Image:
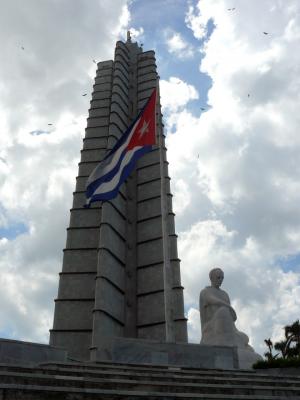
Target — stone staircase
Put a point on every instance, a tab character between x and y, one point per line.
82	381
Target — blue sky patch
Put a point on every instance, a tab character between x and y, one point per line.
13	230
289	263
160	19
39	132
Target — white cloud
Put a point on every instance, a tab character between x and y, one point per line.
196	21
137	34
43	84
178	46
194	325
182	196
253	284
235	170
239	164
176	93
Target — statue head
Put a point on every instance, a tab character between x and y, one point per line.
216	276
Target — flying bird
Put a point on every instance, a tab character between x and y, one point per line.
248	95
22	48
50	124
265	33
231	9
84	94
202	108
94	61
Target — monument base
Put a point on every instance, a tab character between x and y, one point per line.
30	354
247	358
132	351
139	351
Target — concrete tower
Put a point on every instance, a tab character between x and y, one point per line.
121	272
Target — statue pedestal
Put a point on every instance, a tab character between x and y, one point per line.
247	358
139	351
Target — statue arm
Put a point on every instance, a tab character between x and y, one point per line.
209	298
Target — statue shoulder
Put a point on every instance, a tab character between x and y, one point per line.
204	292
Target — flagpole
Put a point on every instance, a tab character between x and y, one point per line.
167	272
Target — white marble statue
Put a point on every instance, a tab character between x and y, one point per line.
218	321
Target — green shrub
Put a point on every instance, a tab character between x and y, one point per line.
278	363
289	349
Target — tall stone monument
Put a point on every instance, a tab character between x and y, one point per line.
121	274
120	297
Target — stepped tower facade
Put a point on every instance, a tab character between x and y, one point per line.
121	273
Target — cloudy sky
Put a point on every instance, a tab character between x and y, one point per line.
230	86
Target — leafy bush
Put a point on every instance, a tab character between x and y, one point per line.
278	363
289	349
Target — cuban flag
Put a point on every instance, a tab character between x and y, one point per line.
106	179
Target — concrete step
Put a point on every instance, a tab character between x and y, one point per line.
167	370
43	379
119	381
256	380
180	379
35	392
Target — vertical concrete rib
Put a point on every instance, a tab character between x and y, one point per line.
72	326
109	311
152	319
130	327
151	315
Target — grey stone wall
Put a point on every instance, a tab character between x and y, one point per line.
73	316
112	282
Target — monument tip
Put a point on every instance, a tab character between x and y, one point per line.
128	37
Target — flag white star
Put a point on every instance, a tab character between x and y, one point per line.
144	129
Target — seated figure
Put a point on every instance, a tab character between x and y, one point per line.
218	321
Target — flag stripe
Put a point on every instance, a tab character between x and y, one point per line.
123	173
107	186
109	165
106	179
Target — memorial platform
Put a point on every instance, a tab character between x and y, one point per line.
27	353
139	351
116	381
